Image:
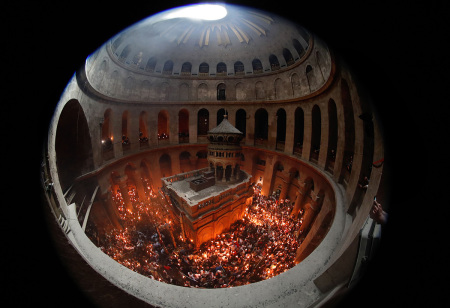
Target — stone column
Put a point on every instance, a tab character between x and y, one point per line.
117	135
272	132
290	128
250	130
193	122
307	133
286	187
122	181
153	128
324	136
268	174
297	204
139	185
133	131
173	128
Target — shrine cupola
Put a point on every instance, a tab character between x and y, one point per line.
224	151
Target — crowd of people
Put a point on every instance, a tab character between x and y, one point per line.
259	246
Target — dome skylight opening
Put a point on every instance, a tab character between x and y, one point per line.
199	11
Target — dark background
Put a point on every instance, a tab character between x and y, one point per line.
397	49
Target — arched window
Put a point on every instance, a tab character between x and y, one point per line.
221	69
281	129
304	34
202	122
311	77
151	64
259	90
274	64
239	68
287	55
221	92
315	133
117	43
241	121
299	127
298	47
257	66
125	52
220	113
168	68
203	69
202	92
295	83
183	126
186	68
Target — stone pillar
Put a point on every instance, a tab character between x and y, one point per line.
112	211
193	121
250	130
286	187
139	185
324	136
290	128
117	136
122	181
133	131
173	128
272	132
306	151
301	194
297	204
153	128
268	174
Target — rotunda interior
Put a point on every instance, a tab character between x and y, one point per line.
230	150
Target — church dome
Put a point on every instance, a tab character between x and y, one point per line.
173	50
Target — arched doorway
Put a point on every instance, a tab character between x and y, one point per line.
185	162
261	127
165	165
202	122
73	145
241	121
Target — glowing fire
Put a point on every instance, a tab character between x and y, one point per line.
261	245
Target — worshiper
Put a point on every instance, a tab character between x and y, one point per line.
377	213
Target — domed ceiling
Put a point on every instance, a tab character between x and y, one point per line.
209	39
